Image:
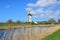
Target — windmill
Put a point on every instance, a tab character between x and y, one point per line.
29	15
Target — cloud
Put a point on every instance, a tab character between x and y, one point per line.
31	4
33	12
39	10
42	15
57	13
45	8
28	9
43	3
51	16
48	11
7	6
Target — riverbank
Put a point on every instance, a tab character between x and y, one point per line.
22	33
23	26
29	33
54	36
49	31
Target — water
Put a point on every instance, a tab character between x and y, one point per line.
22	33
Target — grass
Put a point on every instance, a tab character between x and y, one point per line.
54	36
9	26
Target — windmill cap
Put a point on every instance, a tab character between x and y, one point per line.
30	14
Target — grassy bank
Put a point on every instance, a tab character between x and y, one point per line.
54	36
22	26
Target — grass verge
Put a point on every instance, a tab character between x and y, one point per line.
54	36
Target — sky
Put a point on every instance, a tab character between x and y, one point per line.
41	10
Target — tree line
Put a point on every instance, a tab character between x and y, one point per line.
51	21
10	22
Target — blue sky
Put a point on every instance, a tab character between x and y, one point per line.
18	10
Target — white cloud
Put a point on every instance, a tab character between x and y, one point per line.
39	10
33	12
28	9
46	13
43	3
31	4
35	16
52	16
42	15
57	13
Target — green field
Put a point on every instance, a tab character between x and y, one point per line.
54	36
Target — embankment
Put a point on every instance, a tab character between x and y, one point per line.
49	31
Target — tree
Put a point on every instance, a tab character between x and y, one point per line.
18	22
51	21
10	22
58	20
1	24
33	23
44	22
